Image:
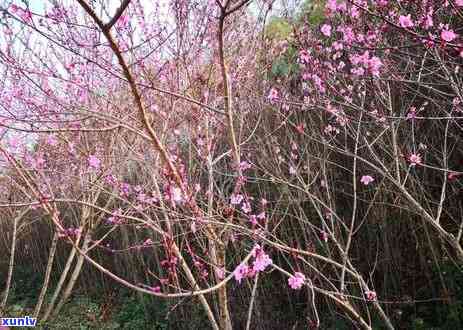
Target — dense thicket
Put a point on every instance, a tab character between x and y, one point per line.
233	165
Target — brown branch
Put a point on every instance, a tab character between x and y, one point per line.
226	91
117	15
137	97
237	6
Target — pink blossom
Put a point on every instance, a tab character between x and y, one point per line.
251	272
338	45
304	57
246	207
300	128
367	179
324	236
25	14
125	188
236	199
94	162
51	140
330	129
459	3
406	21
115	218
354	12
415	159
296	281
358	71
14	9
374	64
448	35
370	295
148	242
332	5
110	179
428	22
13	142
141	197
244	166
253	219
241	272
273	95
156	289
348	34
261	259
176	194
412	113
38	161
262	262
292	170
326	30
123	21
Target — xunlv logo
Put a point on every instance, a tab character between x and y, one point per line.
25	321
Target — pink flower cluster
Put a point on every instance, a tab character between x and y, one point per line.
447	34
336	6
326	30
260	263
238	199
296	281
69	232
406	21
94	162
115	219
370	295
24	14
415	159
367	179
366	62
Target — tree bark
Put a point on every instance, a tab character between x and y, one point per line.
46	281
62	278
11	263
75	275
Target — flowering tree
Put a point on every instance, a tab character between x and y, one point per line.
181	140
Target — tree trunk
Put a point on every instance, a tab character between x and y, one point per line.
225	320
62	278
11	263
51	258
74	276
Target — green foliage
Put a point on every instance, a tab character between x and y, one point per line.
191	315
79	313
26	286
286	65
142	313
278	29
313	12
